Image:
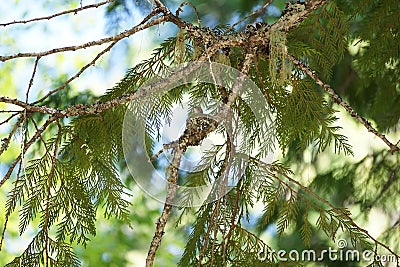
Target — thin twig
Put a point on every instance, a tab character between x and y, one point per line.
155	11
337	99
213	222
114	38
393	178
215	225
5	142
248	61
255	12
23	142
179	10
215	214
26	146
10	111
31	80
232	225
75	11
61	87
25	117
46	146
8	213
10	118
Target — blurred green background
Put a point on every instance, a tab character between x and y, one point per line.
357	182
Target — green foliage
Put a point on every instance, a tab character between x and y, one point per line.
374	59
138	75
306	117
66	192
93	148
78	171
321	39
371	182
61	253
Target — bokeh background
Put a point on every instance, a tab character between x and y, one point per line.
373	93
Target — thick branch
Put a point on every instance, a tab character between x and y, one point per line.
27	106
215	45
97	108
32	77
162	221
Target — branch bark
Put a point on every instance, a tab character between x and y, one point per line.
162	221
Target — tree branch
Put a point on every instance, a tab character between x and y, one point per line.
337	99
208	36
248	41
31	80
61	87
174	168
99	107
26	146
48	194
255	12
75	11
114	38
162	221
